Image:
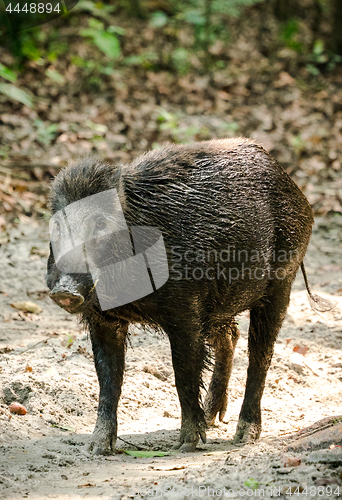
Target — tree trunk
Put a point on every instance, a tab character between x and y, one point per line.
336	38
285	10
135	8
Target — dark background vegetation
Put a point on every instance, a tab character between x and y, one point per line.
118	78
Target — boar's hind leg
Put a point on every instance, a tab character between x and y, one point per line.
108	342
188	353
265	322
224	341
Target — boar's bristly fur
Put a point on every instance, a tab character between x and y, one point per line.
205	198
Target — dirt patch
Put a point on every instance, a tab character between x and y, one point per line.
46	365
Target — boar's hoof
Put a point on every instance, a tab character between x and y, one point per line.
212	408
185	447
247	432
102	444
189	437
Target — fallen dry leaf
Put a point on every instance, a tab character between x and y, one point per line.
300	349
284	80
292	462
27	306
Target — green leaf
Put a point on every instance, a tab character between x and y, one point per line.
89	32
290	29
95	24
251	483
108	44
233	7
181	60
194	17
158	20
7	73
147	453
99	128
116	29
17	94
55	76
64	427
99	9
318	47
310	68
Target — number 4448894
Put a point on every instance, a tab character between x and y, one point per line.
314	491
32	8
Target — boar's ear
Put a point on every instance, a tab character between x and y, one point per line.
121	186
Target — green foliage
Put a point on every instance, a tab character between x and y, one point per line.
289	33
181	59
147	453
105	40
28	45
251	483
46	133
98	9
70	340
208	17
16	94
55	76
233	7
7	73
98	129
56	47
184	132
196	11
147	60
193	16
298	144
317	58
321	57
158	20
4	152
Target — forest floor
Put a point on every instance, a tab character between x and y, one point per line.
46	364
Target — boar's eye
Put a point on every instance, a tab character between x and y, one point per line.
57	226
100	223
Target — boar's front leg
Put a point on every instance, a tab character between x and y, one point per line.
188	354
109	343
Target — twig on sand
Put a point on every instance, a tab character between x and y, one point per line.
34	345
140	448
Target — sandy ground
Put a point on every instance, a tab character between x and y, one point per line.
46	364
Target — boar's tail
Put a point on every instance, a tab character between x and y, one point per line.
316	302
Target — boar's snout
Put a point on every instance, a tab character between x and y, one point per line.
67	300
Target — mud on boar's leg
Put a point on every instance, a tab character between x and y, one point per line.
224	341
109	346
266	319
188	354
